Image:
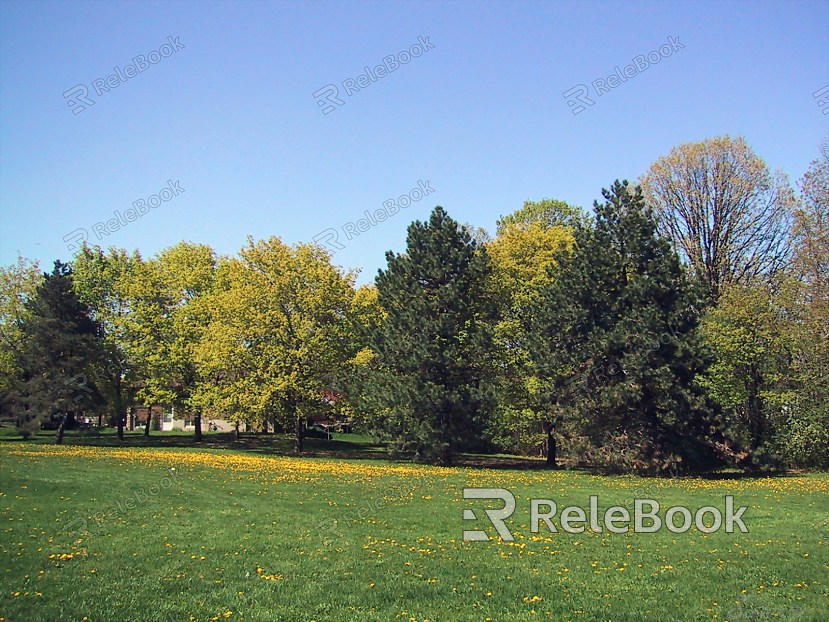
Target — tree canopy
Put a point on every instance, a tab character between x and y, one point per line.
727	214
683	325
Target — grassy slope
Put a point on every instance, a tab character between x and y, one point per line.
246	535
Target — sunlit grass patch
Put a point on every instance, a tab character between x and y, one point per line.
191	534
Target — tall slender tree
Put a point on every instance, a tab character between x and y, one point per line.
524	258
59	343
18	283
434	342
101	279
750	338
807	430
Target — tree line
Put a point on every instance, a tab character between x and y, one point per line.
682	325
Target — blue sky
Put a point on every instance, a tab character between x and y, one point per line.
481	115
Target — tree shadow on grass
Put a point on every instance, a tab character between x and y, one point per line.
272	444
341	447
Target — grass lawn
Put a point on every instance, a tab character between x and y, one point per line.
158	530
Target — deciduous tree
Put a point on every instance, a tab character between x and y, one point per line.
167	320
524	259
279	328
726	213
18	282
102	280
749	333
547	212
807	429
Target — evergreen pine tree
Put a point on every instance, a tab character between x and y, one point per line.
60	340
433	345
616	337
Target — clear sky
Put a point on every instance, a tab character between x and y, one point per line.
479	116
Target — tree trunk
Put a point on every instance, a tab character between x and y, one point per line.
300	434
100	420
550	444
552	448
236	433
756	416
197	423
149	421
122	411
61	428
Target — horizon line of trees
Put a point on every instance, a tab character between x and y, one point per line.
682	326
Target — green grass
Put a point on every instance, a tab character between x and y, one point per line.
252	533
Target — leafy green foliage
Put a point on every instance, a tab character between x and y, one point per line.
167	320
278	328
18	283
546	212
524	259
747	331
806	438
102	281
